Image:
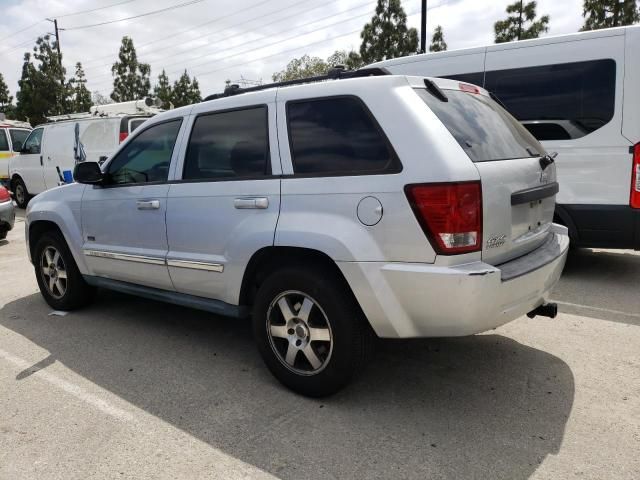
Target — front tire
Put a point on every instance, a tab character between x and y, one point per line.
20	193
310	330
59	279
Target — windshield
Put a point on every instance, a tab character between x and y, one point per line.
485	130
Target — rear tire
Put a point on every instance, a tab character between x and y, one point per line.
20	193
310	331
3	233
59	279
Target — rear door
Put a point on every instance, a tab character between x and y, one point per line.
225	201
518	194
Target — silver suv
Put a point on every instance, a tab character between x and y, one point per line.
331	212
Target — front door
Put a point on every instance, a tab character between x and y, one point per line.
226	204
29	165
123	221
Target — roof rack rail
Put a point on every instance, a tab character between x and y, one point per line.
337	72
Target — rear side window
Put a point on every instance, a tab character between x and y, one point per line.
582	94
337	136
4	141
18	138
483	128
229	145
133	124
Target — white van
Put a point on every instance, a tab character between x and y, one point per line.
12	136
52	150
579	94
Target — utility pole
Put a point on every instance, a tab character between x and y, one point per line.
520	20
57	34
423	28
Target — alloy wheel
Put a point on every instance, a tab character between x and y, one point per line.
299	332
54	272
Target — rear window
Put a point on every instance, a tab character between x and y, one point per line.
483	128
133	124
17	138
4	143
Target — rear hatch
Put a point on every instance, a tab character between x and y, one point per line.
518	180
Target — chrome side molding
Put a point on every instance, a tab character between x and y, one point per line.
209	267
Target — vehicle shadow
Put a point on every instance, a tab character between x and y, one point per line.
4	242
476	407
601	284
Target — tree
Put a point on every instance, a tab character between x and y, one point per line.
352	60
185	92
5	98
131	78
99	99
80	96
163	90
302	67
387	35
521	24
307	66
609	13
437	41
42	90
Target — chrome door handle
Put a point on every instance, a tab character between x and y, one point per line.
148	204
251	202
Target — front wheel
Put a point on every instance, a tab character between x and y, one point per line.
20	193
310	331
59	279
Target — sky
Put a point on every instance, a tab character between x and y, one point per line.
218	40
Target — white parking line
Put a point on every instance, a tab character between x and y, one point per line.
71	389
598	309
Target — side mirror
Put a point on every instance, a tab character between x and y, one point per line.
25	149
88	172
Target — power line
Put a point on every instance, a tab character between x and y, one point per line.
21	30
154	12
272	43
93	9
228	37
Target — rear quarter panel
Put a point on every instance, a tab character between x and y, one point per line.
631	107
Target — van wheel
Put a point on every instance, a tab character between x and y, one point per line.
310	331
59	279
3	233
20	193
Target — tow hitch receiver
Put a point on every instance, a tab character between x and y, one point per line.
547	310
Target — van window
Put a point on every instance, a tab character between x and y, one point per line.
133	124
17	138
481	127
337	136
4	141
34	141
229	144
147	157
582	94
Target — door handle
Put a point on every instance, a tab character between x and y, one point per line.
148	204
41	164
251	202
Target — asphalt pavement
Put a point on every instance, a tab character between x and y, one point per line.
131	388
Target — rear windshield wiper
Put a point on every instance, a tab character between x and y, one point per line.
434	90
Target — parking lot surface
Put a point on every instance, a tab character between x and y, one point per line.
131	388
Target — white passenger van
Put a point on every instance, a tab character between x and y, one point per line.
580	95
12	135
52	150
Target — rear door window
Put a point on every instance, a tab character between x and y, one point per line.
18	138
481	127
337	136
227	145
133	124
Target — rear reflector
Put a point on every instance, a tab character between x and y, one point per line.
4	195
635	178
450	214
123	136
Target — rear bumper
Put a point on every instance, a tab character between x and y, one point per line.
7	215
403	300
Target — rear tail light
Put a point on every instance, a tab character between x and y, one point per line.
123	136
465	87
450	215
4	195
635	178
